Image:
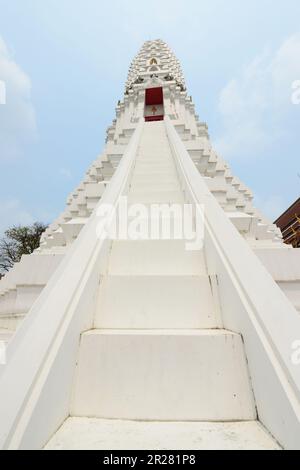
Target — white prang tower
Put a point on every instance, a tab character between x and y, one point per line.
142	343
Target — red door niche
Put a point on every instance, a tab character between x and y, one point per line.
154	104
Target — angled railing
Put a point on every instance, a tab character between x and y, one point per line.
252	304
36	383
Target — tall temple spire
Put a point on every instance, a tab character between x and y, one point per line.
155	58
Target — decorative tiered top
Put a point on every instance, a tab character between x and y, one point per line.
155	59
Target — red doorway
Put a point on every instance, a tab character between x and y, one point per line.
154	104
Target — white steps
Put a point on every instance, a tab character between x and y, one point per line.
159	186
101	434
5	335
164	375
155	257
172	302
156	197
155	156
145	178
146	169
157	353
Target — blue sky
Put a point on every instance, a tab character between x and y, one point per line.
65	63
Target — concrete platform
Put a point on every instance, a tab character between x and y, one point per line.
100	434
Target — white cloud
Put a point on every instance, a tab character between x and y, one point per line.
17	115
254	105
12	213
296	92
2	92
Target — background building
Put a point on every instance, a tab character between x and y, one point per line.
289	223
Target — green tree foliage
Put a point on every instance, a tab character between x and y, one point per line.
19	241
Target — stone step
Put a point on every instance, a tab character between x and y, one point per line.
155	154
5	336
137	302
156	197
10	322
102	434
155	257
150	186
161	165
153	171
163	375
147	179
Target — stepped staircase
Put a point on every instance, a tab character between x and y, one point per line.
158	370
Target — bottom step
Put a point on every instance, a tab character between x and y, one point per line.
163	375
101	434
